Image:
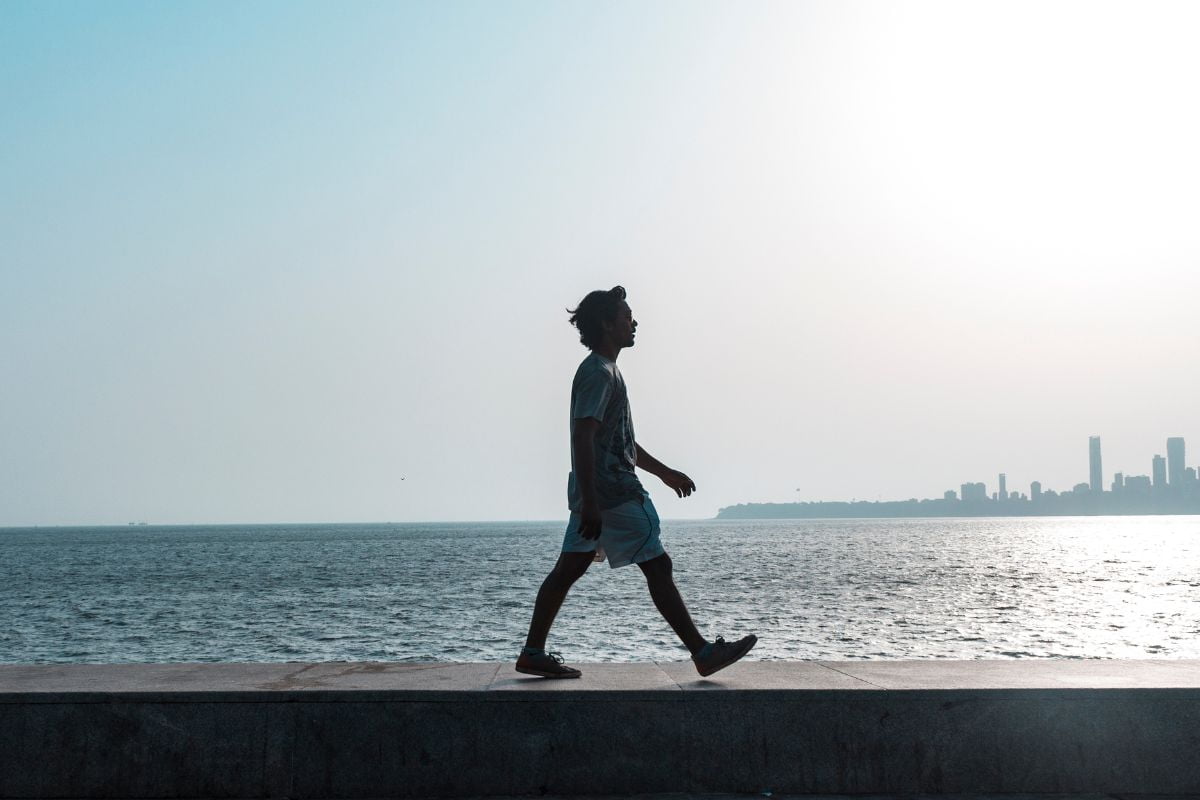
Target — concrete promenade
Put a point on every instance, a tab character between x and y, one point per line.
362	730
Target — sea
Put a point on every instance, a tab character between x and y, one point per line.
1004	588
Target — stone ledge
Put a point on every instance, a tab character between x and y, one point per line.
391	682
346	730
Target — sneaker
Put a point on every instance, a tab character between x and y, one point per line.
720	654
544	665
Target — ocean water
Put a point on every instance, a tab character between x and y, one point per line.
1097	587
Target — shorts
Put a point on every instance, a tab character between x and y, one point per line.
628	534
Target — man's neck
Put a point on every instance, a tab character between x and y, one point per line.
607	349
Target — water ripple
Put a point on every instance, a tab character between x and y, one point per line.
1101	587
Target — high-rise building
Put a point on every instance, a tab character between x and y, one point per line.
1095	473
1159	471
1175	461
1137	484
1118	482
973	492
1003	489
1035	490
950	494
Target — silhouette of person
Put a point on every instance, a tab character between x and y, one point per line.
611	513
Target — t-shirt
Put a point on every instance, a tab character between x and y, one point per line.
598	391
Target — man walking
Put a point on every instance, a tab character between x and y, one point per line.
611	514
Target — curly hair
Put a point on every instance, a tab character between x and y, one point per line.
593	310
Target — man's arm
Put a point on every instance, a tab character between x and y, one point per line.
682	484
583	438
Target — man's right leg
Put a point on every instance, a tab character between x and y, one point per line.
550	596
707	656
665	594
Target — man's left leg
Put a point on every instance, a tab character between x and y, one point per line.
534	660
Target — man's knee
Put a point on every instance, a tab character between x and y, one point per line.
657	568
566	572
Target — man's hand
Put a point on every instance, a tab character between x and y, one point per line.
589	520
682	484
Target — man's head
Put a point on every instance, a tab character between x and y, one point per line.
604	315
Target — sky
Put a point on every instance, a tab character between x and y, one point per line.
309	262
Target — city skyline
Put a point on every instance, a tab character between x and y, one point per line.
1172	487
1170	472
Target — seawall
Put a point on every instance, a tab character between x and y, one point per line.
361	730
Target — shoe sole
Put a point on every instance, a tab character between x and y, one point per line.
736	657
527	671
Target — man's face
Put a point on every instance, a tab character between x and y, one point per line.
623	327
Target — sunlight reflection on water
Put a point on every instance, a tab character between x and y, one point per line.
1095	587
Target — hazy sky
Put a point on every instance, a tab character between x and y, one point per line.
261	261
